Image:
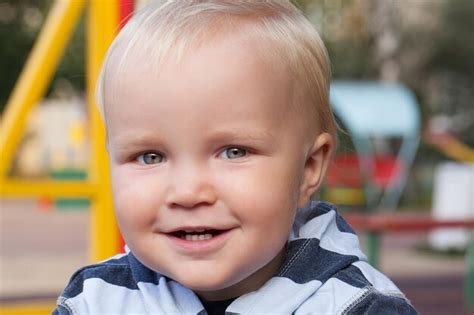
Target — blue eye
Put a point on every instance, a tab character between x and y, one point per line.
233	153
150	158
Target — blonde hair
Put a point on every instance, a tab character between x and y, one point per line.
169	27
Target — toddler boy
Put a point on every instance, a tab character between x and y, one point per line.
219	130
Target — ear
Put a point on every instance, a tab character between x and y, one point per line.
315	167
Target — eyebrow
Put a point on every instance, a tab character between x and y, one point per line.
235	135
131	141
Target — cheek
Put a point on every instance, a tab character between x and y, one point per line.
264	195
281	183
133	204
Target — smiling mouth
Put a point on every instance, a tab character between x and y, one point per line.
198	235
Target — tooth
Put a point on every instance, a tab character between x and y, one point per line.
196	237
205	236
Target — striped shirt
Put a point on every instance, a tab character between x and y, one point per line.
325	272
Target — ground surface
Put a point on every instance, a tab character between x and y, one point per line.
39	250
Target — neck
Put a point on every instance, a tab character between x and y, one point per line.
249	284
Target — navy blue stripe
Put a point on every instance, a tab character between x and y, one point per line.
325	207
343	226
142	273
377	303
307	261
318	209
116	261
126	272
114	274
353	276
60	310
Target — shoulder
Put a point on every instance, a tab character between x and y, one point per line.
377	293
94	286
375	302
337	296
115	270
358	289
122	285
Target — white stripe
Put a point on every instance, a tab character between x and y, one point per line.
278	296
380	282
324	227
169	297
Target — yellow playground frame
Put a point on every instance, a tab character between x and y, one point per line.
102	25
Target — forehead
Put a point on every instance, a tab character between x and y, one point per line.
239	37
213	67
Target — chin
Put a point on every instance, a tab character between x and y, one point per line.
206	283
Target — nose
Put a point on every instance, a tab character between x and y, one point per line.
190	188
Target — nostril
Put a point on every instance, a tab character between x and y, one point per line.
191	195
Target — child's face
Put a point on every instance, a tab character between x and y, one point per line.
208	165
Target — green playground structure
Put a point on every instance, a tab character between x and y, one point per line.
383	120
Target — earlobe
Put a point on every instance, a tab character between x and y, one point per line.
316	163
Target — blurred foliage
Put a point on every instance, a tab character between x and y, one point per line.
17	39
428	45
20	23
451	68
455	43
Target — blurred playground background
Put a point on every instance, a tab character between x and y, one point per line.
403	72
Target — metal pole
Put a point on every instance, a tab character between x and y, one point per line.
101	29
469	277
373	248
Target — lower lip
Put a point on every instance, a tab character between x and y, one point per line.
200	246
